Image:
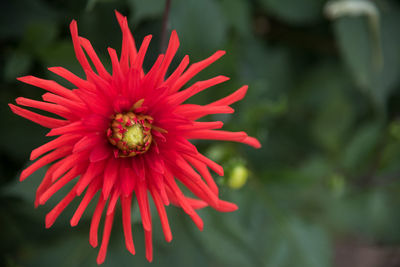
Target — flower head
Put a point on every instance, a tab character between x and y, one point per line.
125	135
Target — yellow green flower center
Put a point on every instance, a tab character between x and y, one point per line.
134	135
130	133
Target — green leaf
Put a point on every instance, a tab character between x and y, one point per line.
17	64
309	243
294	12
361	146
17	16
238	14
146	9
187	17
39	36
362	43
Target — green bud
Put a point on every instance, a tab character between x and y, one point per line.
238	177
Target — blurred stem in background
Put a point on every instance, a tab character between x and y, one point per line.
163	43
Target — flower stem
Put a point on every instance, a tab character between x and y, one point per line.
164	26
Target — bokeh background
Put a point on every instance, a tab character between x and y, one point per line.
323	99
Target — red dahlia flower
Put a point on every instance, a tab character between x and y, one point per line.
126	134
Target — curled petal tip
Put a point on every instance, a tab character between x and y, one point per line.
174	36
243	90
146	226
168	239
23	175
220	53
201	227
251	141
225	206
73	27
117	14
12	107
24	79
100	259
49	221
73	24
131	250
42	200
73	222
93	242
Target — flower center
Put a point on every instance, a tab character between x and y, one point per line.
130	133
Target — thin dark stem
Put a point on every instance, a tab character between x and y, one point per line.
163	43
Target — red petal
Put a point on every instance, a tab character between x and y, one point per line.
173	46
74	106
150	80
251	141
94	58
110	176
126	203
106	237
50	86
113	201
87	142
69	176
182	96
196	68
75	80
46	182
92	171
94	226
175	191
56	143
142	52
232	98
67	164
96	123
202	168
39	119
194	112
127	178
127	35
100	152
149	245
191	179
143	203
75	127
217	135
52	156
163	215
56	211
177	73
138	167
52	108
80	55
214	166
117	72
195	126
92	190
225	206
197	203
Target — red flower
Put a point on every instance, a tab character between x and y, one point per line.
127	134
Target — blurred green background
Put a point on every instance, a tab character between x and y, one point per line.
323	99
